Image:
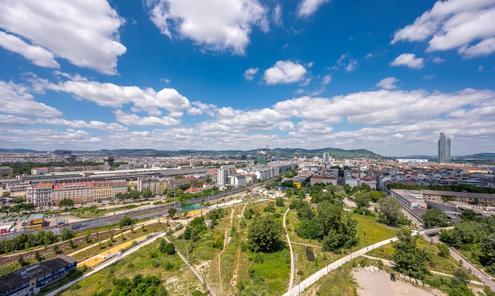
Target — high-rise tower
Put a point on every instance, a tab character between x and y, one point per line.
443	148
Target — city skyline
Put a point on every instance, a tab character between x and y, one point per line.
155	74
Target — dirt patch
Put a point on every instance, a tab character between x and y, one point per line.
378	283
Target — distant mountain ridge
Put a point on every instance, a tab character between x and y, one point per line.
281	152
278	152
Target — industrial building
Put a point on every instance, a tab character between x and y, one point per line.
31	279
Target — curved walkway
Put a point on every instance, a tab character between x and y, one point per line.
292	263
312	279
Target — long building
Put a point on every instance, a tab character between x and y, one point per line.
49	194
31	279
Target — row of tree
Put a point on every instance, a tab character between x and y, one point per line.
25	241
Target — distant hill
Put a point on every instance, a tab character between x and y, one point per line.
277	152
15	150
477	156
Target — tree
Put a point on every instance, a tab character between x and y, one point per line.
147	193
390	212
487	252
344	235
279	202
264	235
463	234
166	247
122	195
408	258
139	285
66	234
125	221
172	212
66	203
435	218
309	228
6	194
362	201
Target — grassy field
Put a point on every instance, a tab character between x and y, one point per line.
435	262
369	231
147	261
118	240
269	270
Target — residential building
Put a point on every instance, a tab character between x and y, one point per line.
40	194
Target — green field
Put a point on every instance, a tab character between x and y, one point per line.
147	261
369	231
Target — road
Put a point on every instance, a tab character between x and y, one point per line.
292	263
477	272
312	279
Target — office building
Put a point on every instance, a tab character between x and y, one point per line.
443	148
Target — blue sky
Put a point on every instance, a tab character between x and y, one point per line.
240	74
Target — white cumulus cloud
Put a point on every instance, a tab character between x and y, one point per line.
408	60
285	72
250	73
455	24
388	83
83	32
217	25
16	99
36	54
308	7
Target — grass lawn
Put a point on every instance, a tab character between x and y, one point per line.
369	231
149	260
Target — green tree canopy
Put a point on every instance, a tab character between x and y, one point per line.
408	258
66	203
264	235
390	212
435	218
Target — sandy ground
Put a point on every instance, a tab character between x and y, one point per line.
378	283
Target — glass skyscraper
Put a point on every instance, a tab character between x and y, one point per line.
443	148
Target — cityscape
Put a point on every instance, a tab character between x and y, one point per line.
247	147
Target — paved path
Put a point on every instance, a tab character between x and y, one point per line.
477	272
485	278
312	279
292	263
107	263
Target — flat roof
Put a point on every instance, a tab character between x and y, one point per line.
14	279
460	194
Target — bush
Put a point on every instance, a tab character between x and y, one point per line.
126	221
167	248
279	202
443	251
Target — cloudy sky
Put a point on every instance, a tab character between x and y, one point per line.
227	74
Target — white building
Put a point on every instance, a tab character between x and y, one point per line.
40	195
